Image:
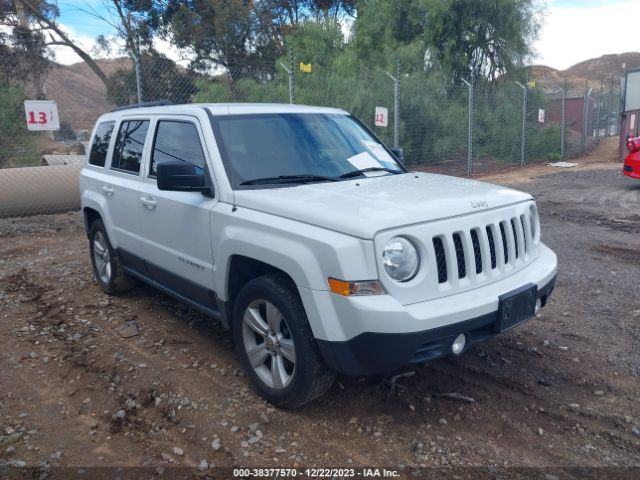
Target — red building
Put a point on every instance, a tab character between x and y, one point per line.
574	113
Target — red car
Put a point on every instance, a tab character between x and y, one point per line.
631	167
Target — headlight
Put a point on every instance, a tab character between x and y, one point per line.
400	259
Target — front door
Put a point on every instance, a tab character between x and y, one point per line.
177	225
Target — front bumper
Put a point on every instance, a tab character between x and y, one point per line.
372	352
631	167
629	171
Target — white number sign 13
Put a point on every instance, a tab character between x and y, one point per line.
42	115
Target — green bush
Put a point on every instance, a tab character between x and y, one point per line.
16	142
66	132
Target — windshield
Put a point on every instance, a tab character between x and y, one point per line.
309	145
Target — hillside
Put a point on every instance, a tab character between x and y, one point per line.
80	94
595	71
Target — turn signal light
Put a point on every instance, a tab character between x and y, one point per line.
348	289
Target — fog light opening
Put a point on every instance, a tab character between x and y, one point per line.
458	344
538	304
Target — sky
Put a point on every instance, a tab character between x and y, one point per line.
576	30
572	31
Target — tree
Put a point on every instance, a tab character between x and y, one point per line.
387	31
241	36
135	22
23	49
318	42
34	27
481	38
166	81
461	38
334	10
295	12
16	145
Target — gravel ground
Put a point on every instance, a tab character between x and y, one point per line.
142	380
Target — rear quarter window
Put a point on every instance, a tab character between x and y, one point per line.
100	145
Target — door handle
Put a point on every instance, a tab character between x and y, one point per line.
107	190
150	203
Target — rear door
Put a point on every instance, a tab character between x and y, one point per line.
177	225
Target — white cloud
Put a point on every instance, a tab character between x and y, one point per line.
165	47
66	55
573	34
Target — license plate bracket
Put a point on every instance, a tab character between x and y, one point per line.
516	307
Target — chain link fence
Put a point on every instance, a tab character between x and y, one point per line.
459	128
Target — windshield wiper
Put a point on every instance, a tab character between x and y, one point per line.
289	179
355	173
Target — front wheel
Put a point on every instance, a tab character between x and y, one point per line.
275	343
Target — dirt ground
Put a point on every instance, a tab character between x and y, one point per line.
562	390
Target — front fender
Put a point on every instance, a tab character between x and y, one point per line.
308	254
288	256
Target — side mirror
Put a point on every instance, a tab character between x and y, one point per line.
180	177
399	153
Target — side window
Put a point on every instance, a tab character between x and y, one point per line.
176	140
127	154
100	145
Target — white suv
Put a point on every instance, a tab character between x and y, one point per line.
306	236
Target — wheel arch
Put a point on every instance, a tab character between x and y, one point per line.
94	208
90	215
242	269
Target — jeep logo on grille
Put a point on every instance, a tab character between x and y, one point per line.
479	204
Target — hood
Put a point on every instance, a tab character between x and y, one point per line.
365	206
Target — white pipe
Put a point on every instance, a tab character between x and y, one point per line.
35	190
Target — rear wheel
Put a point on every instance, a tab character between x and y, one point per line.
276	345
107	267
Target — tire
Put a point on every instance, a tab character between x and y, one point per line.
286	366
106	264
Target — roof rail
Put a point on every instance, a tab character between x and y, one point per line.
158	103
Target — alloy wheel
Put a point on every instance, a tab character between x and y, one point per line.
268	344
101	257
